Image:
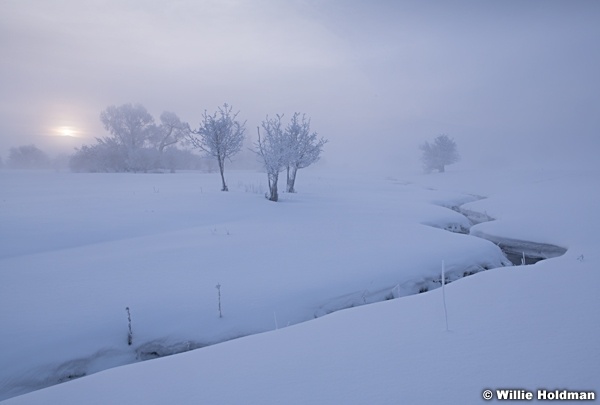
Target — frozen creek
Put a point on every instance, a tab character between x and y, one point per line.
516	251
519	252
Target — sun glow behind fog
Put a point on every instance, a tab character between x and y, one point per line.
67	132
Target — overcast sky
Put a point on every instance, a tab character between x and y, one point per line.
505	78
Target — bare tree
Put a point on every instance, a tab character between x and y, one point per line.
220	135
170	131
130	124
440	153
106	155
135	143
304	147
272	147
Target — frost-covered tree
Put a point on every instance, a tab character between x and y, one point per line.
27	157
272	147
220	135
131	126
304	148
438	154
107	155
135	142
170	131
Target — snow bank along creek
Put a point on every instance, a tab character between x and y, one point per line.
517	252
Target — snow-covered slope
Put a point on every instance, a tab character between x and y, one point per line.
160	243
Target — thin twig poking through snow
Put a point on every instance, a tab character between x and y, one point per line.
219	290
397	289
444	292
130	333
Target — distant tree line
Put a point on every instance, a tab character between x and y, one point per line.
136	143
28	157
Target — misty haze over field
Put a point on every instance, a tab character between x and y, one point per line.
362	280
508	80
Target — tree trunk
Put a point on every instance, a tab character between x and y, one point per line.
222	170
291	179
273	195
159	159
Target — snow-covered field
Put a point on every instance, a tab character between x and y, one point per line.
77	249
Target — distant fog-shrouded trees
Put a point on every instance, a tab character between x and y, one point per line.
170	132
438	154
27	157
291	148
136	142
130	125
220	136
